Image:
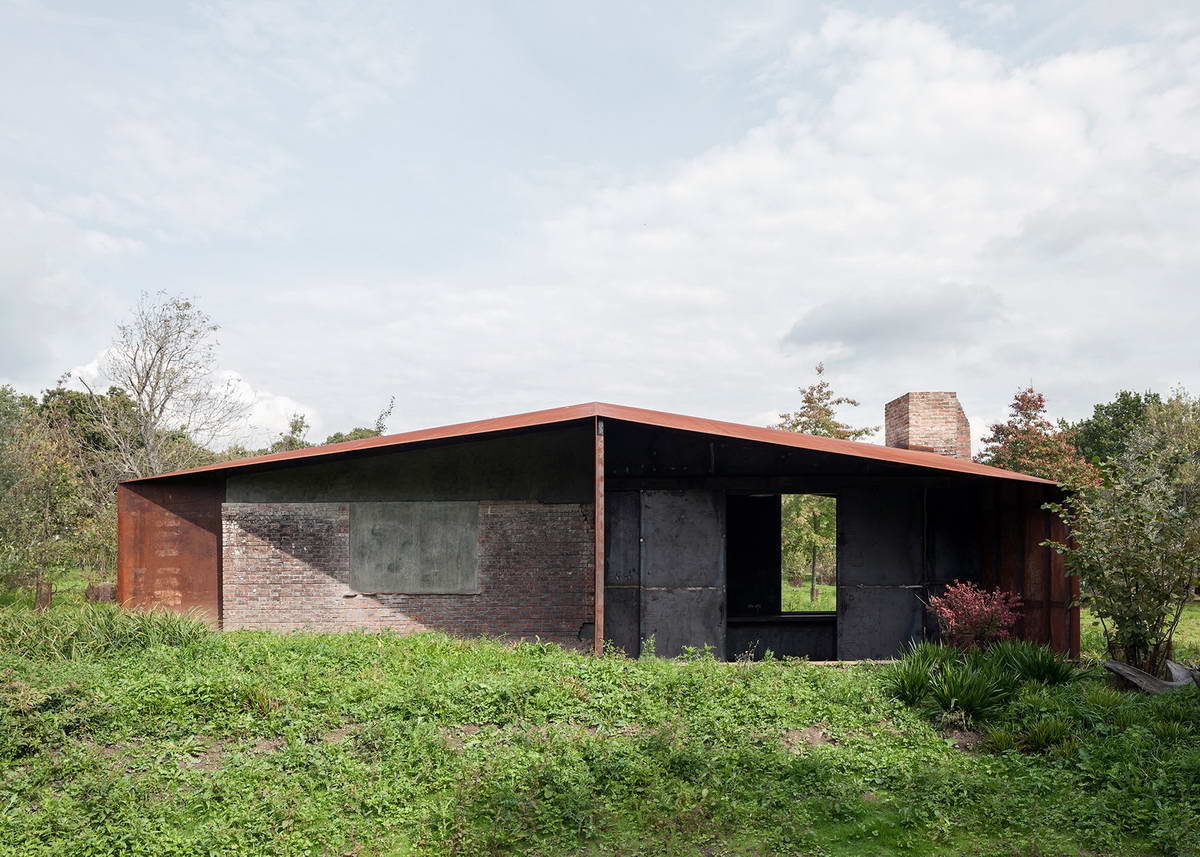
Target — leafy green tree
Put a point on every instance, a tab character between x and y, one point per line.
1135	536
1029	443
44	504
1104	435
295	436
809	521
818	412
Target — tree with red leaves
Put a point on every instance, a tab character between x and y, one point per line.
1030	443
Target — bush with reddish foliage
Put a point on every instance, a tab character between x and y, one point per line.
970	617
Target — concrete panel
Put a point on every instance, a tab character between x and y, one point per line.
678	618
414	548
880	569
552	466
622	618
622	538
683	538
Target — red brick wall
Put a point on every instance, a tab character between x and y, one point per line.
928	421
287	566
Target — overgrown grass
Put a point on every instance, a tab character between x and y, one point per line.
1032	703
250	743
93	631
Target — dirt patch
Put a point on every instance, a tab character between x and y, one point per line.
456	736
967	740
810	736
337	736
268	745
870	797
210	758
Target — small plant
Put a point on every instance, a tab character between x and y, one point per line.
976	691
1032	662
971	617
1171	731
1047	732
908	681
1001	739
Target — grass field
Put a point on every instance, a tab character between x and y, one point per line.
133	735
796	598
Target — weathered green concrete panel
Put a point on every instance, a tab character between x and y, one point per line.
415	548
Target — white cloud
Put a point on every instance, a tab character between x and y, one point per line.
1051	189
346	58
268	413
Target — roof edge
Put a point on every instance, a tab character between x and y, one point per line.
659	419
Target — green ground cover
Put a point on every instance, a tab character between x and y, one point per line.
796	599
131	734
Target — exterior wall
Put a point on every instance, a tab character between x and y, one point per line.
549	466
929	421
287	566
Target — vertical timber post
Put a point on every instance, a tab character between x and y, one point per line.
598	522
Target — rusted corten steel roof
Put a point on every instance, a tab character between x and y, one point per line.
660	419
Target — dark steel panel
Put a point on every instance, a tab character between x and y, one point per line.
880	570
622	538
622	618
169	545
683	539
812	636
680	618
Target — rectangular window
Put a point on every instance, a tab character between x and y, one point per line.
424	548
808	537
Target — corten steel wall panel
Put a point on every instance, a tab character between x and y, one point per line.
879	570
753	554
1012	527
550	466
683	570
169	545
622	570
1036	591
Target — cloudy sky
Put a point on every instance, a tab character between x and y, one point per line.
489	208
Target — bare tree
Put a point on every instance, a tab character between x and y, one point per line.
165	407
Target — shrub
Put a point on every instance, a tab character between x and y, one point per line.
969	616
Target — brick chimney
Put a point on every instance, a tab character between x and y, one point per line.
931	422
